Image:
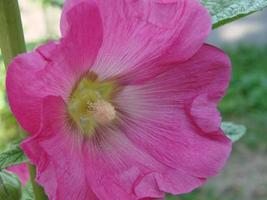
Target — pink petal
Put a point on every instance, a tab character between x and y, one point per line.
24	89
68	5
114	166
53	69
21	171
140	34
205	114
162	120
178	182
82	32
147	187
107	167
118	169
33	76
57	154
62	160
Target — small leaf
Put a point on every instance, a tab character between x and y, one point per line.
13	156
27	192
10	186
233	131
225	11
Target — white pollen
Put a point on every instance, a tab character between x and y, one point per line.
103	112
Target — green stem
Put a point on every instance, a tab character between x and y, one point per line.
12	40
38	191
12	43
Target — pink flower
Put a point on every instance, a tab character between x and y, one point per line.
123	106
21	171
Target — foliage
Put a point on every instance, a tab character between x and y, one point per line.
233	131
245	102
248	91
13	156
204	194
8	128
225	11
52	2
27	192
10	186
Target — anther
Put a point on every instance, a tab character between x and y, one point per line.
102	111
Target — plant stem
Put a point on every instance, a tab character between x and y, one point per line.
12	43
12	40
38	191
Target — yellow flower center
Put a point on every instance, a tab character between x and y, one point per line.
89	104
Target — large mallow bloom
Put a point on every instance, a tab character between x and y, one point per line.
123	106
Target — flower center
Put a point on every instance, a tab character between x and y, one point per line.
102	111
89	104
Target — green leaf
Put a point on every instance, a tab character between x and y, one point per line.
57	2
10	186
27	192
225	11
13	156
233	131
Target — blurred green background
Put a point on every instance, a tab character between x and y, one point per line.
245	176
